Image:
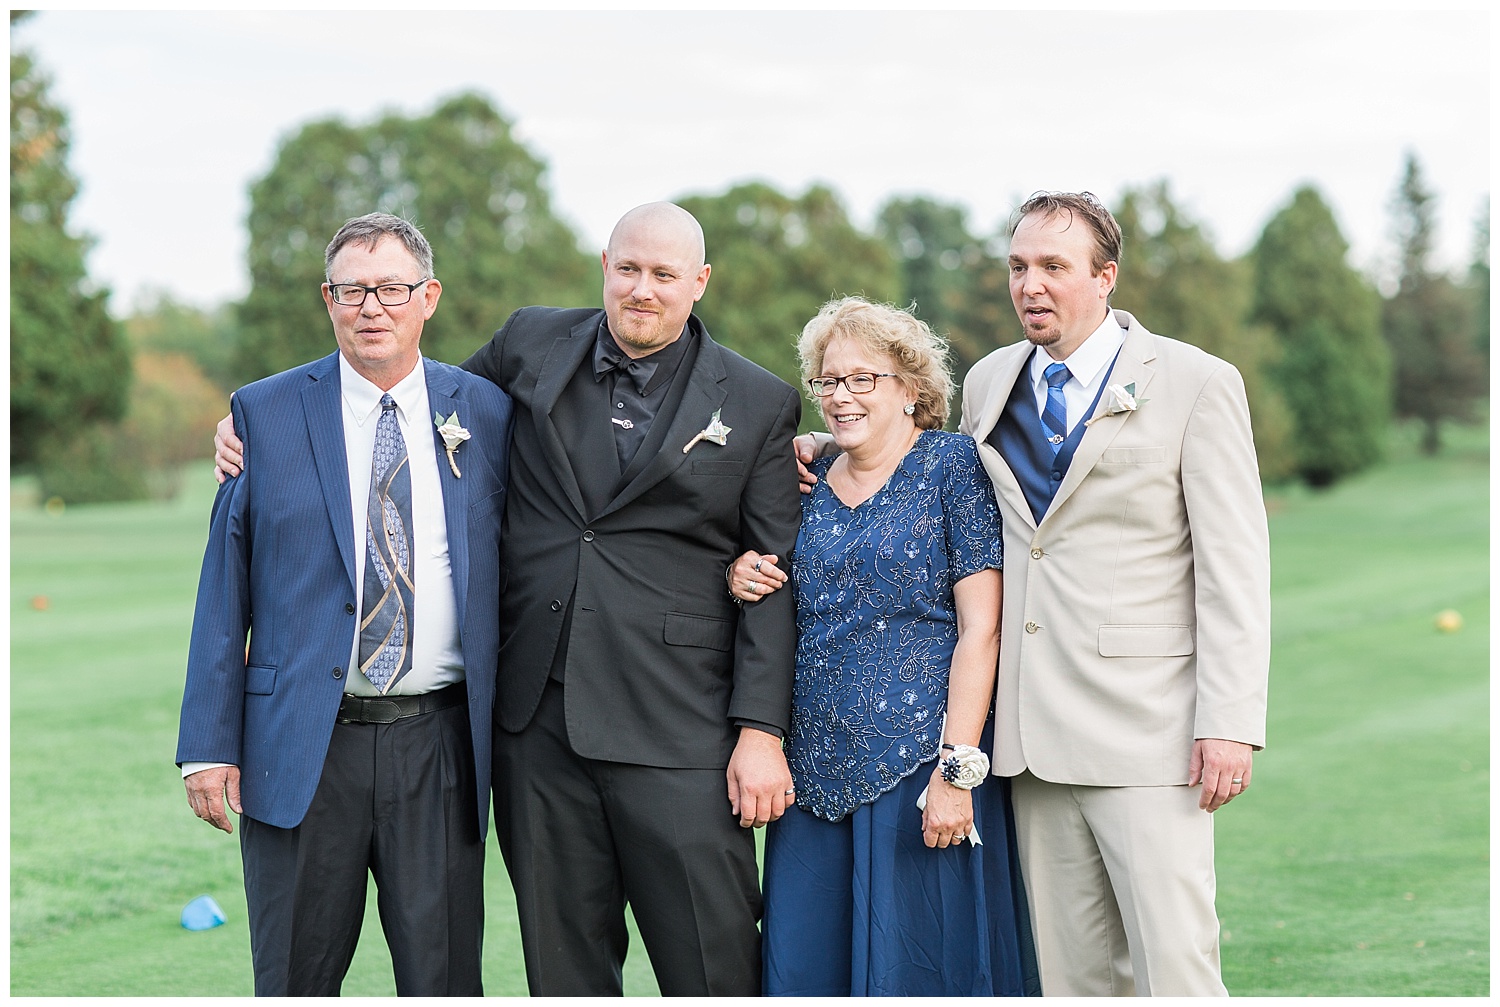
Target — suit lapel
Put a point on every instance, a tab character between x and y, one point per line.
704	395
442	390
322	406
1132	365
556	370
1010	371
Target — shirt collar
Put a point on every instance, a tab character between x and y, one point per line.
663	361
362	397
1090	360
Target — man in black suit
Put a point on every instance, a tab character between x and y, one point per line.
639	711
634	694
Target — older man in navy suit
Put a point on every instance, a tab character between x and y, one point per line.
360	555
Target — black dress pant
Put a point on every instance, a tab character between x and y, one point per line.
397	801
581	838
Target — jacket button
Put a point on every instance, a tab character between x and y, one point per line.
588	536
338	673
557	606
1032	627
348	609
1036	554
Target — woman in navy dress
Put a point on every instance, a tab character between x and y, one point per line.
893	873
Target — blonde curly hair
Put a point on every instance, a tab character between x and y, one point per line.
921	355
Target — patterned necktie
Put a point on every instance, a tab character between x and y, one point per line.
1055	416
385	626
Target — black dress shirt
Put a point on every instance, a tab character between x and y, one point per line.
637	387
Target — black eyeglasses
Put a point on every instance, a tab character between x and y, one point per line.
352	295
859	383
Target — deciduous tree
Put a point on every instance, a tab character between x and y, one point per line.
959	286
1174	281
460	175
160	323
776	260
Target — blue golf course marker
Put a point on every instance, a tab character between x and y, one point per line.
203	913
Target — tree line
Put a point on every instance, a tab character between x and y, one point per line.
108	409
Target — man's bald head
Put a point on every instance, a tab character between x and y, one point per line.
664	225
653	275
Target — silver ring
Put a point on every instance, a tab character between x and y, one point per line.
756	568
1237	780
789	793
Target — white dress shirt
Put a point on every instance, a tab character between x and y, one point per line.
1087	365
436	660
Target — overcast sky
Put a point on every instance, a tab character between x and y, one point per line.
174	115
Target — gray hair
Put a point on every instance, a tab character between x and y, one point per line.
369	229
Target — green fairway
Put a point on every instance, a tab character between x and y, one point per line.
104	851
1357	865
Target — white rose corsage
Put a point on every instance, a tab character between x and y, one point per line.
966	768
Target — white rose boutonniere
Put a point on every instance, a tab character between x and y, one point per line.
1121	400
715	431
453	435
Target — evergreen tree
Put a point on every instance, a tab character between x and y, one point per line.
959	286
69	363
776	261
1438	372
1334	370
1173	280
1479	286
459	175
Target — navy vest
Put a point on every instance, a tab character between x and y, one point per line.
1021	439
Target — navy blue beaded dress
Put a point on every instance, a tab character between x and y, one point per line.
855	903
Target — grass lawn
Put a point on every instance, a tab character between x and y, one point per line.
1358	864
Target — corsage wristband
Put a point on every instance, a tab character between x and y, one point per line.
966	768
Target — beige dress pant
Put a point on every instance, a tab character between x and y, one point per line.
1121	886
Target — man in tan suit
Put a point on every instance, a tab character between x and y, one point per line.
1136	623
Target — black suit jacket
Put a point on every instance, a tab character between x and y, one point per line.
660	662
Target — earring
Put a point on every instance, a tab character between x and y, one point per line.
911	407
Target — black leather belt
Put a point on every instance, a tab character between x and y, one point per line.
389	709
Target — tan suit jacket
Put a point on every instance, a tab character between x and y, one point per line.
1137	612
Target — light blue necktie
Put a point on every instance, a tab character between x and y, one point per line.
1055	416
385	625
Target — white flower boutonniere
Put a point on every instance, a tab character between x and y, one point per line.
453	435
715	431
1121	400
